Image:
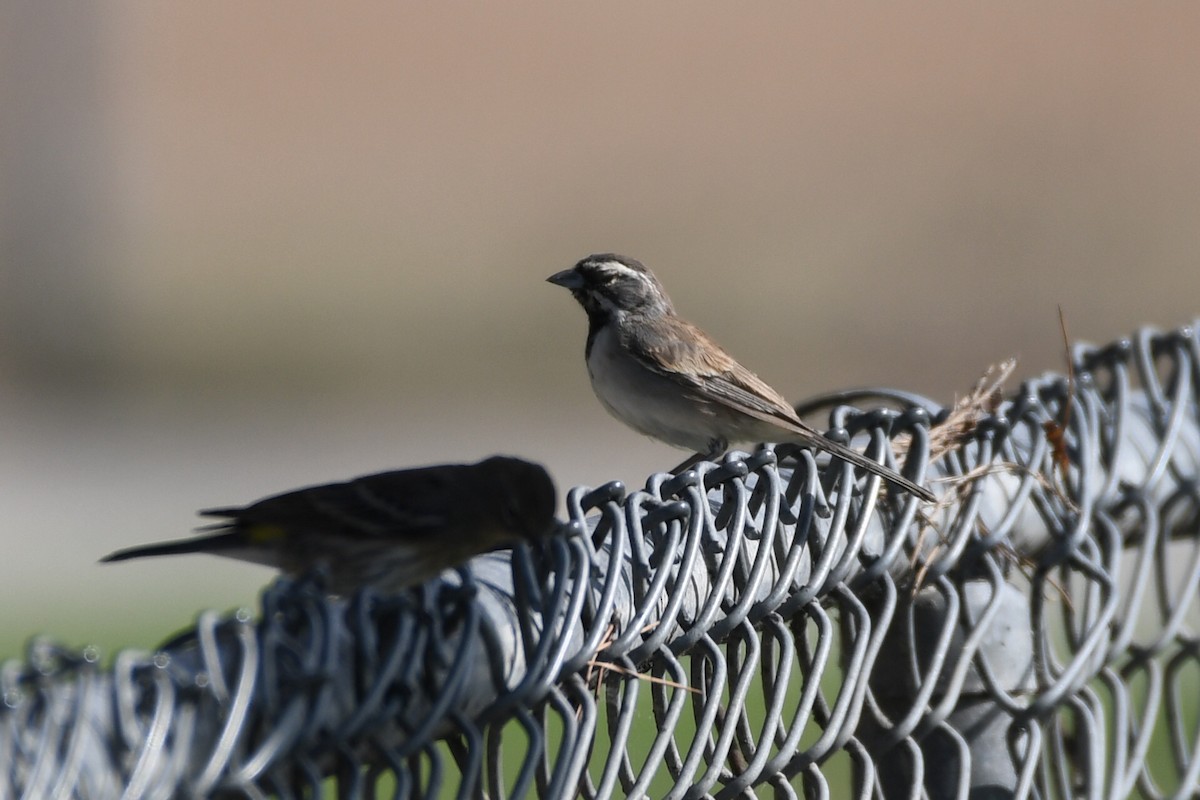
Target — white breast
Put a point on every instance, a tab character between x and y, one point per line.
643	400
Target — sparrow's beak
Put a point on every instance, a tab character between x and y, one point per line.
568	279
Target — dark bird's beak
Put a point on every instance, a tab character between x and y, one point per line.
568	279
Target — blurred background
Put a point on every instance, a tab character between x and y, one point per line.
248	247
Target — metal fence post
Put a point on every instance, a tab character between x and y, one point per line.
936	638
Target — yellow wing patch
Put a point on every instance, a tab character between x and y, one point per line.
265	534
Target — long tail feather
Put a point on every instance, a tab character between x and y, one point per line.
859	460
201	544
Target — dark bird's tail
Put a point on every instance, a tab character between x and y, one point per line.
215	544
859	460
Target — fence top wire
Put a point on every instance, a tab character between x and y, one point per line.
1033	630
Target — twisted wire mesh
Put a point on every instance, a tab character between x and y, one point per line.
760	625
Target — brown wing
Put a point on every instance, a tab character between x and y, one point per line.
684	353
679	350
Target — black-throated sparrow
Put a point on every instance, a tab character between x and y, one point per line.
389	530
664	377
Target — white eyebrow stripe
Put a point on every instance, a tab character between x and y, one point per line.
620	269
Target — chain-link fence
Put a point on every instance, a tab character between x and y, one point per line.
760	626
